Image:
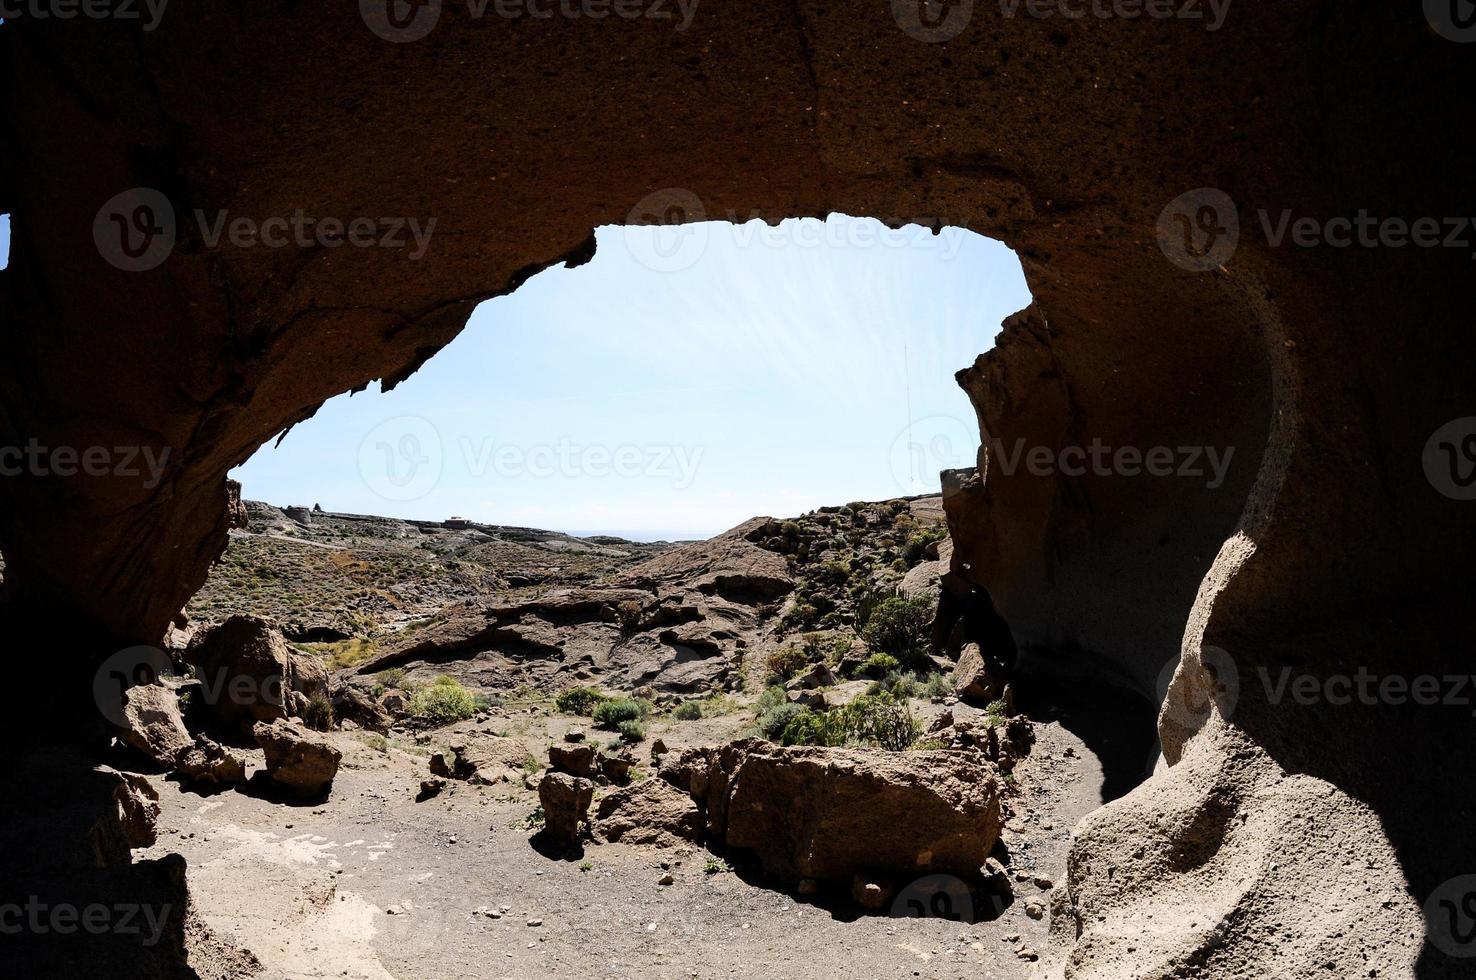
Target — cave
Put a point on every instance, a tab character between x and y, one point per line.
1141	167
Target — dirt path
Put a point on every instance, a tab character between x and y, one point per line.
370	885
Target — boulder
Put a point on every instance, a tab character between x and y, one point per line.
651	812
354	704
138	808
210	763
565	801
301	761
576	759
616	766
814	700
818	676
971	679
152	723
828	813
248	671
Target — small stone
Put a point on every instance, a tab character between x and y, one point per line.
1043	882
1026	953
535	922
1035	910
574	735
666	879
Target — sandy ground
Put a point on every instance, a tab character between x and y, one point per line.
370	885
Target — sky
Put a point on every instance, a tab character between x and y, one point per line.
4	240
686	379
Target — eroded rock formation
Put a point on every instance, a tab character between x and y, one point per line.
1326	547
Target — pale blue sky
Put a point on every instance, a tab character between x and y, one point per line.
4	240
683	381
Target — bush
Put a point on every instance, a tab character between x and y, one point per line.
611	712
869	720
443	703
394	677
786	662
773	722
901	627
688	711
579	701
880	665
896	685
912	552
318	714
772	697
631	731
937	687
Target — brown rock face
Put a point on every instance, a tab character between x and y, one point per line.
297	759
248	672
1332	543
650	812
153	724
210	763
565	801
830	813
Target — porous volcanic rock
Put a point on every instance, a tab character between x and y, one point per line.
302	761
248	673
650	812
152	723
565	800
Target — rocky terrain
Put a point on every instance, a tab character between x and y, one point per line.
647	744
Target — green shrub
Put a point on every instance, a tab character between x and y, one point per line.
786	662
318	714
912	551
579	701
773	722
631	731
443	703
868	720
937	687
611	712
880	665
394	677
688	711
896	685
773	696
901	627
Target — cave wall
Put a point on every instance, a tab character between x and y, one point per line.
1326	369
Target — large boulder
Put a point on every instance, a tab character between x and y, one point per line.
152	723
972	680
828	813
249	673
209	763
565	801
574	758
301	761
650	812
